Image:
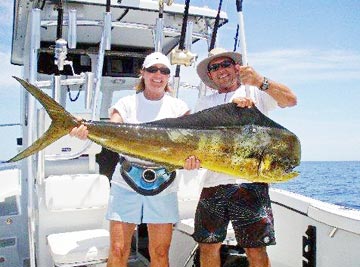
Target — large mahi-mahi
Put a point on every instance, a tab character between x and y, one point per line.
238	141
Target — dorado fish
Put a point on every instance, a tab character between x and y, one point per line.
241	142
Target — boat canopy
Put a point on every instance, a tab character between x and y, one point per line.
133	25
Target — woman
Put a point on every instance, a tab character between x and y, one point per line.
128	208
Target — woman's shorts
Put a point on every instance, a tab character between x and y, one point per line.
131	207
248	208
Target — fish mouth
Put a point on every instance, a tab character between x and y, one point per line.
265	165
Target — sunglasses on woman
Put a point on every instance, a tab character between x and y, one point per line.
223	64
153	69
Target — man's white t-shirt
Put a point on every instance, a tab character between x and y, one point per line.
263	102
137	109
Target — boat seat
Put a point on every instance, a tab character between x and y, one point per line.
77	192
79	248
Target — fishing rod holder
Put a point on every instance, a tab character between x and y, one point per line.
72	34
83	79
168	2
158	34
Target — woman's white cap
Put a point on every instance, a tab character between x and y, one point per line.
156	58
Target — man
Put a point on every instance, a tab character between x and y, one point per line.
223	198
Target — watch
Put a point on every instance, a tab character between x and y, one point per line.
265	84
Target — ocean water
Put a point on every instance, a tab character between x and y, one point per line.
336	182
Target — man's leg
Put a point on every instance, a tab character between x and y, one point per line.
254	230
210	255
120	243
159	243
211	221
257	257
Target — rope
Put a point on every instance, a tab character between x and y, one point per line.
77	95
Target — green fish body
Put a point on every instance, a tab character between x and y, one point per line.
238	141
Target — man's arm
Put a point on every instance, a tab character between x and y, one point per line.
280	92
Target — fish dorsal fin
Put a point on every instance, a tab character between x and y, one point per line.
226	115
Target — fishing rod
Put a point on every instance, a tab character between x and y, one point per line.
180	56
158	32
60	19
236	37
183	33
242	40
60	43
216	26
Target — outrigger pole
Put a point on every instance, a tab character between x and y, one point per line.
242	39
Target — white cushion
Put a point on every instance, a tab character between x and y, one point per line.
78	191
79	247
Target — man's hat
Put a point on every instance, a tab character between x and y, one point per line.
202	67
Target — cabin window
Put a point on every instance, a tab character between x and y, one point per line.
116	66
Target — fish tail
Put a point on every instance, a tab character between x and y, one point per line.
61	124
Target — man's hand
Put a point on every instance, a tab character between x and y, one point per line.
192	163
248	76
243	102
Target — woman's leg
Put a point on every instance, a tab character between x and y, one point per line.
159	243
120	243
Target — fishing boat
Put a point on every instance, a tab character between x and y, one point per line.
85	54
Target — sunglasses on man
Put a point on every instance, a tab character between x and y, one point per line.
153	69
223	64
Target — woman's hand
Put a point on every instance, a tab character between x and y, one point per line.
80	132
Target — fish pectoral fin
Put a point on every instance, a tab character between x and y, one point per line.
170	168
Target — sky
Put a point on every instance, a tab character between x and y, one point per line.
311	46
